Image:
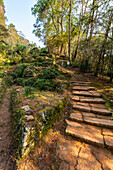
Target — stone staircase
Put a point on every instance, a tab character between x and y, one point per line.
90	121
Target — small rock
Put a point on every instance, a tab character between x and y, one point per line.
29	118
26	108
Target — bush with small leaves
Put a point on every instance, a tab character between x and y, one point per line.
28	91
19	81
18	72
48	73
44	84
29	72
31	81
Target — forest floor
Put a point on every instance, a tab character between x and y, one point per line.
56	150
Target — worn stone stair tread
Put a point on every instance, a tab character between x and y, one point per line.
86	93
101	111
92	100
107	132
95	110
95	94
80	82
109	141
88	114
83	84
102	106
86	88
82	108
91	105
81	93
88	133
88	99
92	120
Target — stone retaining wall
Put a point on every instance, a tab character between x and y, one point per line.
28	128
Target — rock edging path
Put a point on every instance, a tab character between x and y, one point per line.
90	121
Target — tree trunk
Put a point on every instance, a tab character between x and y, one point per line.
92	19
111	56
61	49
103	45
70	5
82	12
78	43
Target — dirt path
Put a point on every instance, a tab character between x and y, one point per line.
6	151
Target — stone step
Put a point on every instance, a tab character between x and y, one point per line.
83	84
95	110
90	134
85	132
101	122
86	93
82	88
88	99
91	115
80	82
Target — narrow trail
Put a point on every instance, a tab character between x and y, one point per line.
6	151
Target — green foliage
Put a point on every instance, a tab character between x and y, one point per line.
43	64
110	73
30	82
28	91
1	2
44	84
17	124
3	32
85	66
48	73
3	86
19	81
18	72
59	86
28	73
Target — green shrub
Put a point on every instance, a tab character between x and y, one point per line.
18	72
30	81
44	84
46	64
40	59
19	81
43	64
28	73
28	91
59	87
48	73
109	73
85	66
